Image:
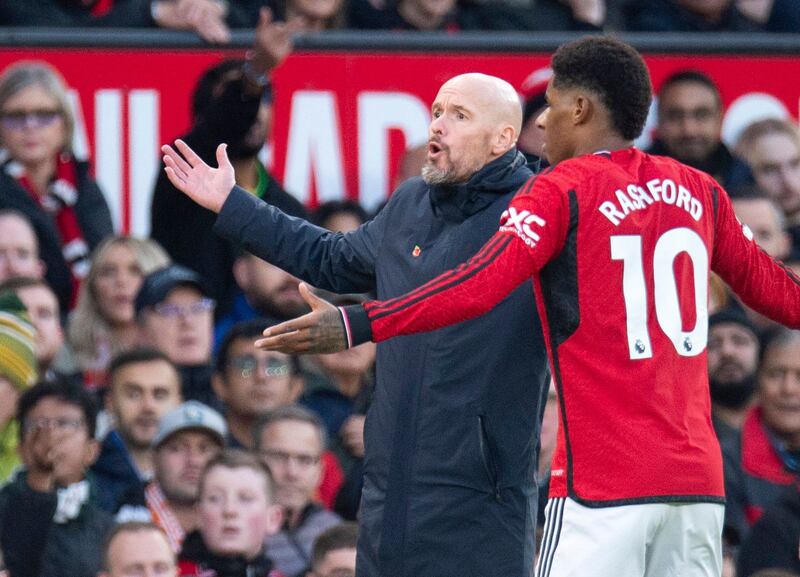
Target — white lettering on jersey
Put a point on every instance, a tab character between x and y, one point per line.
519	222
635	197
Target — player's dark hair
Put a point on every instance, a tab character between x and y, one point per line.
615	72
691	77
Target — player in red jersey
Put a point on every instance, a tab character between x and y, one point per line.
619	245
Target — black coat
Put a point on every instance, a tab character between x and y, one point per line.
773	540
452	433
34	545
92	213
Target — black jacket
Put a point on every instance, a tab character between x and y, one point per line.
195	559
34	545
452	432
730	171
182	227
773	541
93	215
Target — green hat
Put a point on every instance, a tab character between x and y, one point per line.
17	334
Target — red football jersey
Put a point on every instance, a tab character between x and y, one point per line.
619	246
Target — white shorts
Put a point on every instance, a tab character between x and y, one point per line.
648	540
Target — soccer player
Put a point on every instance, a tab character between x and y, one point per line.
619	244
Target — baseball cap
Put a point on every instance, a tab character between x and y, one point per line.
733	314
158	284
191	415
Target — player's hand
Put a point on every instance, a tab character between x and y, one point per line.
320	331
208	187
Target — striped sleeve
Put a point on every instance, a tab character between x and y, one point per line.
524	243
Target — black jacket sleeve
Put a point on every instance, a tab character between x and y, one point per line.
26	520
342	263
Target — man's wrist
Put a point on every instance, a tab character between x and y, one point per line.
253	75
357	326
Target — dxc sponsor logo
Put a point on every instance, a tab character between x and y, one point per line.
520	223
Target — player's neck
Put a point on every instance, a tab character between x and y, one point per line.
604	140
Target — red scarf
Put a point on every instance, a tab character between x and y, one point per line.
59	203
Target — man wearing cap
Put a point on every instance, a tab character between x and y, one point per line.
18	371
176	316
733	349
189	437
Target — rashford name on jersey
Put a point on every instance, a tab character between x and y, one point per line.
635	197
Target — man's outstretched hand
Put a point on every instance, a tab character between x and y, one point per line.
320	331
208	187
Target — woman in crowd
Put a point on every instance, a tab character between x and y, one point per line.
103	323
40	177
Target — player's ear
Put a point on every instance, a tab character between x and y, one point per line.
582	109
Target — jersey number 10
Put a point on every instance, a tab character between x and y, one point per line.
628	249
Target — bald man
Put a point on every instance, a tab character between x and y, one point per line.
450	438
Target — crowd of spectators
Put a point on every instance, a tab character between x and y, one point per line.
213	20
140	428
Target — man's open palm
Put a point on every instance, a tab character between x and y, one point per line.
208	187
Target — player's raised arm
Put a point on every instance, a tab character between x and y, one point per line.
764	284
524	243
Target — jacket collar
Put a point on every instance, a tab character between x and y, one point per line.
460	201
759	457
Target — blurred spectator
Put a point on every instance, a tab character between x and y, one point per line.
237	514
340	215
265	291
19	247
251	382
290	444
334	552
773	541
311	15
764	461
175	316
103	323
41	179
410	165
18	372
50	525
143	386
232	103
713	15
772	149
188	437
764	218
531	137
137	549
42	306
451	15
207	18
690	125
733	350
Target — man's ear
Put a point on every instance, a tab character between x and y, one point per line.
583	109
504	140
219	387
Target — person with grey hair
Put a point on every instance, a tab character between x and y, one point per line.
764	462
40	177
290	441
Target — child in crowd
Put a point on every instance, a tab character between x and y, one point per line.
237	513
